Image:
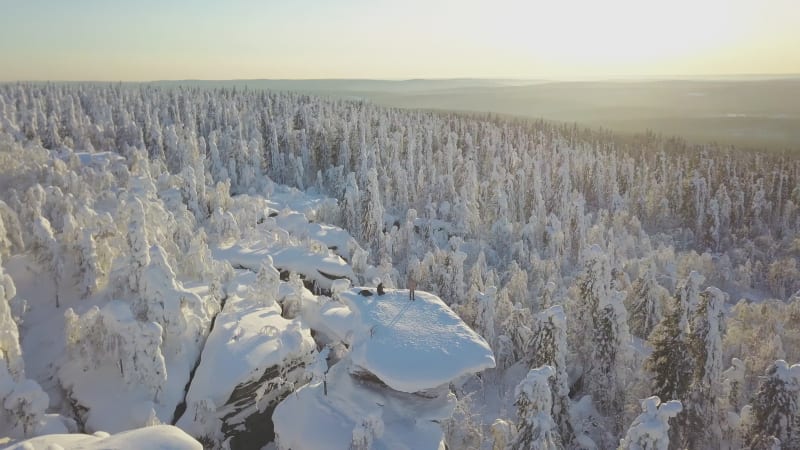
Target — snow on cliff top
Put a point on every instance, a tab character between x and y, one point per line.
334	238
249	336
413	345
318	267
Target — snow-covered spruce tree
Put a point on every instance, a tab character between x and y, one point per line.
198	262
602	322
670	363
137	245
351	206
10	350
371	214
730	405
702	415
783	276
643	302
163	300
485	314
547	294
48	253
650	431
502	434
23	403
592	284
88	264
267	282
112	336
548	346
223	226
24	408
686	362
776	408
611	359
536	429
687	294
189	191
464	427
5	243
517	328
51	139
446	269
11	236
517	286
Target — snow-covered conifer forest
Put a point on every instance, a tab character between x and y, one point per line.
205	262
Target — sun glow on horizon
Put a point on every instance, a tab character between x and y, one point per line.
616	36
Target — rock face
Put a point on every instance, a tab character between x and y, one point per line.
247	415
390	390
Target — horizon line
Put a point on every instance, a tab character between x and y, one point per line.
657	77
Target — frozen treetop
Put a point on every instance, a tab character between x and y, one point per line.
695	279
412	345
650	429
782	370
716	293
538	379
555	314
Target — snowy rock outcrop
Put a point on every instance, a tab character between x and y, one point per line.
319	267
413	346
252	359
391	389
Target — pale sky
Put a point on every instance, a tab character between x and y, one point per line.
141	40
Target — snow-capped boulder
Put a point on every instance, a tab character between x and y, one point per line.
415	345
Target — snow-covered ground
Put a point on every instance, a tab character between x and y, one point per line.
160	437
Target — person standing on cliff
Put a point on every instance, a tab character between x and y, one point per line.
411	283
